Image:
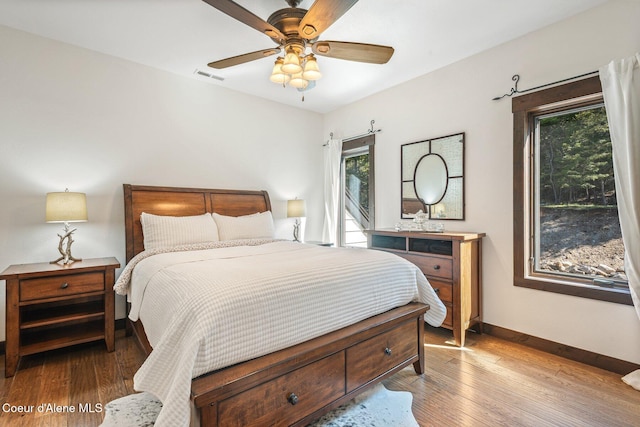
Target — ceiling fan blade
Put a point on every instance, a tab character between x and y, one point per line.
360	52
241	59
238	12
321	15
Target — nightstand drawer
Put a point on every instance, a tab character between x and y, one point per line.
60	286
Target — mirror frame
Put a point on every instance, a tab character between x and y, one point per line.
453	199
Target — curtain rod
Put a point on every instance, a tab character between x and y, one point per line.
369	132
516	78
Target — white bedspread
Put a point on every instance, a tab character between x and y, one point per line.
207	309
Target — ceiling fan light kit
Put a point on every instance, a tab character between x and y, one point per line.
295	30
296	70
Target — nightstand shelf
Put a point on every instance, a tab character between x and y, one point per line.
32	342
46	314
50	306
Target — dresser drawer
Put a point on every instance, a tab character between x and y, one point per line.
60	286
375	356
432	266
286	399
443	289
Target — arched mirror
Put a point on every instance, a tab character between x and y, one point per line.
433	177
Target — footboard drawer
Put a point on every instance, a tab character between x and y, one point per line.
288	398
299	384
377	355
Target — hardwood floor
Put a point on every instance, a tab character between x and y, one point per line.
489	382
77	378
494	382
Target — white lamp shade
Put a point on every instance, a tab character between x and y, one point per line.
277	75
291	63
66	207
296	208
298	81
311	70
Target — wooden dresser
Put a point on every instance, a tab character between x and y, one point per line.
453	264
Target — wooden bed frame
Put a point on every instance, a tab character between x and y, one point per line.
299	384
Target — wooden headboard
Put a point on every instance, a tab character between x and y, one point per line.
176	201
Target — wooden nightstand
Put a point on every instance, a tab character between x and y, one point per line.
51	306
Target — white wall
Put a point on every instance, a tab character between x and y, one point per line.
74	118
458	99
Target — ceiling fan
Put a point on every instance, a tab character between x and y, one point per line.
294	30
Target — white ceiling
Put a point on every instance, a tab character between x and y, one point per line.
181	36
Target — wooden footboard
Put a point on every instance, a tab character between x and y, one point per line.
299	384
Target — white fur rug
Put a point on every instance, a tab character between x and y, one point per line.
633	379
377	407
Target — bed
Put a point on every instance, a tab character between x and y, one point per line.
290	384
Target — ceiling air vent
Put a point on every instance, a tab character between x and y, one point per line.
207	75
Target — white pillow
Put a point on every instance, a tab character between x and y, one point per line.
255	226
166	231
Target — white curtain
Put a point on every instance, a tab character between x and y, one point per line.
621	90
332	160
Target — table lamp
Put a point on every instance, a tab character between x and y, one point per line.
66	207
296	209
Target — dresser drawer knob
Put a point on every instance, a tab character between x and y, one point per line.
64	286
436	267
292	398
387	351
436	290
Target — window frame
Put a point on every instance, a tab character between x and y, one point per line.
356	146
524	107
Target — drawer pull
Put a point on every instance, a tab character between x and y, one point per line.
436	290
292	398
387	351
64	286
436	267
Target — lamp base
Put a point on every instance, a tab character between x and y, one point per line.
296	230
65	254
65	260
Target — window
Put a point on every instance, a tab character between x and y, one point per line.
566	229
357	201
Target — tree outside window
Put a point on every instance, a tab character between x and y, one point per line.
579	229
